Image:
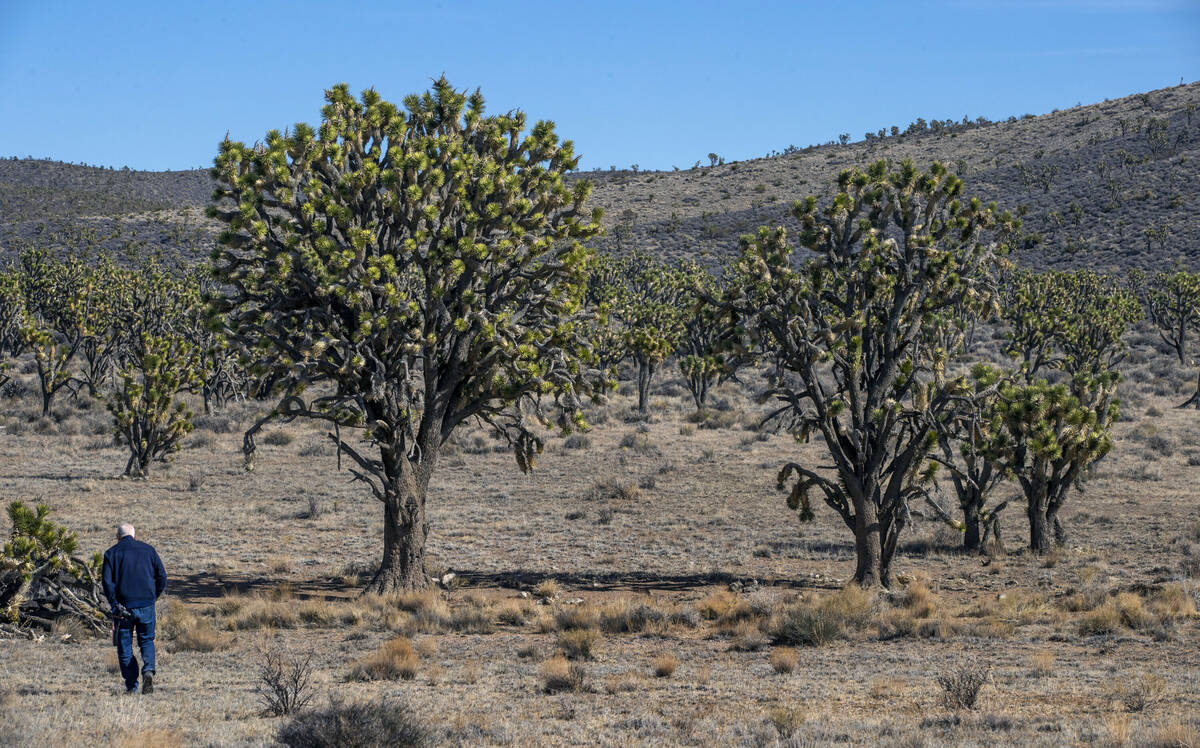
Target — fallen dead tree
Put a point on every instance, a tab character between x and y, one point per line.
42	581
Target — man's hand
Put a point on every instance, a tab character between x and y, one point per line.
121	612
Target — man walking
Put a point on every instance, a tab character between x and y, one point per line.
134	578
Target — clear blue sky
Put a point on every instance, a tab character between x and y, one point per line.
156	85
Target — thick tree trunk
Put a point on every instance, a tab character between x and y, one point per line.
872	569
405	530
972	539
645	375
1039	536
405	526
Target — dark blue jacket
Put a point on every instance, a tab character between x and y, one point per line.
133	574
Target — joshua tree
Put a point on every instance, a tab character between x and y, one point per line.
1047	436
1075	321
964	437
148	416
849	336
711	350
41	578
1173	304
653	300
426	266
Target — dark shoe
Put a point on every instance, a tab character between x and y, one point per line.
148	681
133	690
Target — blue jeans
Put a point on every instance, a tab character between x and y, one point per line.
143	622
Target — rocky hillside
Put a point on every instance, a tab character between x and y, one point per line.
1108	186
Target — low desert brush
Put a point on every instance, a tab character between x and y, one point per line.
665	665
787	720
961	686
356	725
578	644
395	659
558	674
784	660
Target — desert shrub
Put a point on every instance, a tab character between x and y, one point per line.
558	674
919	600
727	608
786	720
898	624
575	617
801	624
187	632
578	644
628	617
1141	693
577	441
356	725
640	444
961	686
612	488
1173	734
747	636
284	680
1171	602
1103	620
214	424
512	613
278	438
1160	445
1042	663
547	588
784	659
665	665
395	659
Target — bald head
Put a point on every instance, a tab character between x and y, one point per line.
124	531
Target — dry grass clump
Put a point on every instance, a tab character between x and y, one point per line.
614	489
513	613
1128	610
1116	727
150	737
833	617
1042	663
1173	734
575	617
784	660
629	616
558	674
665	665
640	444
918	599
787	720
546	589
578	643
625	682
747	636
187	632
395	659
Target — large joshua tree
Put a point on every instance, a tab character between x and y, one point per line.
424	265
850	335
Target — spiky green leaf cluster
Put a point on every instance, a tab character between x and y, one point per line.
426	260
